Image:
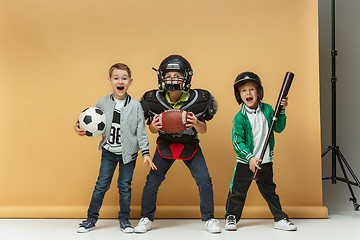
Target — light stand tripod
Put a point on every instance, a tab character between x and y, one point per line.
335	150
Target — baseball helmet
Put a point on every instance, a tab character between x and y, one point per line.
243	78
175	63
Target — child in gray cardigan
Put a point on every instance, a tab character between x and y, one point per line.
124	136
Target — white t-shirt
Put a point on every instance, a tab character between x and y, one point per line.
260	128
113	144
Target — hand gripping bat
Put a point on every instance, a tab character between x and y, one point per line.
283	93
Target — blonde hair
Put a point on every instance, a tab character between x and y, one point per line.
119	66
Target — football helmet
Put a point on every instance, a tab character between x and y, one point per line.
243	78
174	63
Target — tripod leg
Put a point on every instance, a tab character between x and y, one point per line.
326	151
353	198
348	166
322	155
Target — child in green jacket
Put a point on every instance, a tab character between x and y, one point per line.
250	127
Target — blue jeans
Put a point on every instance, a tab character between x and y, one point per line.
109	162
199	171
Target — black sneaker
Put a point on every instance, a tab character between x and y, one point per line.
125	226
85	226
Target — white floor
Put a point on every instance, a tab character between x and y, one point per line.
342	225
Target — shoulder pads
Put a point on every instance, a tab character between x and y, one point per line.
212	107
209	105
144	104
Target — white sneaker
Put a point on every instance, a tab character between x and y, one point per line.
230	223
212	225
143	226
285	224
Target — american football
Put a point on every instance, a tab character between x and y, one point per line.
174	120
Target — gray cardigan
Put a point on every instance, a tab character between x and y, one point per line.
132	127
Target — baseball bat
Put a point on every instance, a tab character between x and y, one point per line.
283	93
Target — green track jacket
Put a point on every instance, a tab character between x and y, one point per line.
242	137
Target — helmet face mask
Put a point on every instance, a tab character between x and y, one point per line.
173	83
174	63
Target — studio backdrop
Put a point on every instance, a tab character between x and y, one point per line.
54	62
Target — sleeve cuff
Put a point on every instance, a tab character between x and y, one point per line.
145	152
249	156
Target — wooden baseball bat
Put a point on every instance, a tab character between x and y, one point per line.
283	93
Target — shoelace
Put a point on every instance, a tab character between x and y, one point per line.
144	220
85	223
288	222
212	221
126	224
231	220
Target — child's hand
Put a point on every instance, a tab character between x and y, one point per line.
147	159
155	125
253	164
284	103
78	130
193	121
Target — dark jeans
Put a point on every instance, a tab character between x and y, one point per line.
199	171
109	162
240	185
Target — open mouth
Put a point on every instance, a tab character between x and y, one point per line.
248	99
120	88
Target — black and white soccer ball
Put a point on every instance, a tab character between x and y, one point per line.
93	121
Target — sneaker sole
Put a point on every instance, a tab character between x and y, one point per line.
284	229
141	231
212	231
83	230
126	230
230	228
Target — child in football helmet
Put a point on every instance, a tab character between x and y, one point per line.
174	77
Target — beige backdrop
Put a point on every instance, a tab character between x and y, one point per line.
54	61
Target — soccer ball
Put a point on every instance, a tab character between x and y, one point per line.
93	121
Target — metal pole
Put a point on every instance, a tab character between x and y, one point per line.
333	92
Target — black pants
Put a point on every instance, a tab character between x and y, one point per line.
240	185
